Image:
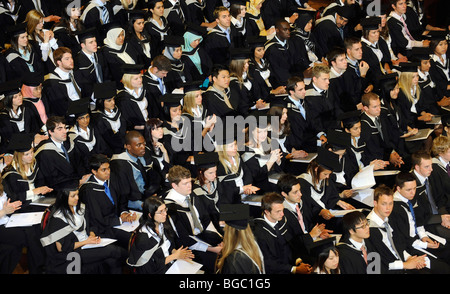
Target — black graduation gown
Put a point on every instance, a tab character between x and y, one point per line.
271	11
84	71
439	178
56	170
405	107
215	104
351	259
122	178
55	95
66	38
143	244
244	97
115	63
261	86
154	95
375	72
178	76
140	46
92	18
217	45
238	262
176	18
327	35
280	61
92	260
278	258
195	12
189	66
114	140
181	142
155	33
430	95
399	41
210	201
437	73
354	86
130	110
17	66
233	182
101	214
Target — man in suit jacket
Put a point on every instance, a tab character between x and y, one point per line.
90	67
301	230
190	219
271	234
134	171
396	254
105	206
175	13
374	133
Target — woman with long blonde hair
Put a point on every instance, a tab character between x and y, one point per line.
240	253
410	100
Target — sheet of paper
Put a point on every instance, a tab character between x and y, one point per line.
129	227
44	201
307	159
436	120
365	196
364	179
378	173
341	213
24	219
421	135
184	267
103	242
437	238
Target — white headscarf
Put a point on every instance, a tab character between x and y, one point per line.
110	41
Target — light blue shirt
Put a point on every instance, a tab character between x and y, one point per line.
137	174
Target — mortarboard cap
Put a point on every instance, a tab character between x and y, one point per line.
173	41
239	53
16	29
109	26
437	35
78	107
192	86
338	139
238	2
321	247
32	79
350	116
87	33
420	53
206	160
136	14
345	11
196	29
328	159
172	99
409	66
106	90
235	215
371	23
132	69
10	87
20	142
254	41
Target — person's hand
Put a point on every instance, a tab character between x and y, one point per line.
445	221
52	18
326	214
363	68
11	207
303	269
92	239
260	104
396	159
84	179
415	262
298	153
323	139
379	164
250	189
293	17
430	243
426	43
42	190
367	90
210	122
216	249
279	90
275	155
344	205
183	253
346	193
128	217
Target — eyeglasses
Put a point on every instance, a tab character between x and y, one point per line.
363	226
163	211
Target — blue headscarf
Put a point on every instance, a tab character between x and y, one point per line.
192	53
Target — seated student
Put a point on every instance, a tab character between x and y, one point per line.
273	11
270	233
331	31
138	37
175	12
396	255
440	175
178	131
23	56
221	38
69	24
232	172
154	81
322	101
337	60
21	177
402	39
105	207
14	239
90	66
195	58
327	261
298	213
179	75
353	246
32	97
207	187
191	219
374	133
134	101
440	64
219	98
97	13
107	119
55	156
431	209
259	156
85	138
157	26
155	247
354	77
67	231
241	253
134	171
404	223
61	86
319	184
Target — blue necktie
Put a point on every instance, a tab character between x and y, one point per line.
161	86
105	15
65	153
430	198
411	209
108	193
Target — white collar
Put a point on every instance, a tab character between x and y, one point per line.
420	177
177	197
63	74
269	222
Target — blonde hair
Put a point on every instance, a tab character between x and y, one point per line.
232	239
224	158
126	80
440	145
19	166
127	6
405	84
189	102
236	69
32	19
